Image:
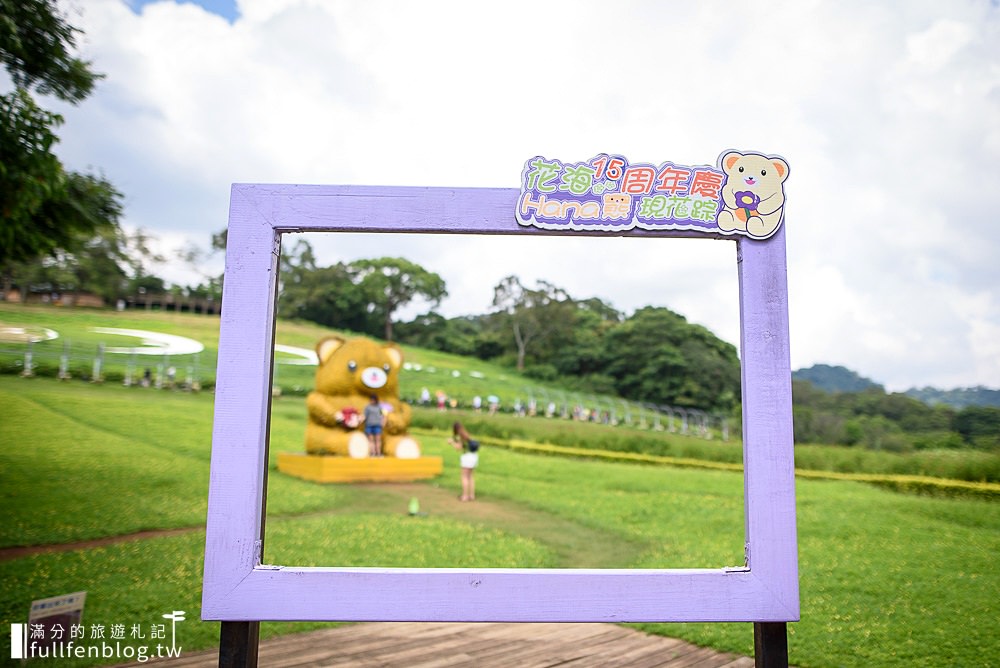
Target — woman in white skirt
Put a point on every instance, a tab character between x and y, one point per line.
469	447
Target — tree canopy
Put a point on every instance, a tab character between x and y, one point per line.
532	314
362	296
391	283
44	207
36	44
107	262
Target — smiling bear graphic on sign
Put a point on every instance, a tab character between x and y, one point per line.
753	195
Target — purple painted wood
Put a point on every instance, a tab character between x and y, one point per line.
238	587
300	208
768	454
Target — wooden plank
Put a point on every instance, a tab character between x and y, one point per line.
659	654
368	645
529	649
413	653
625	650
409	209
768	444
696	657
242	399
770	643
739	662
308	653
620	654
732	661
431	645
238	644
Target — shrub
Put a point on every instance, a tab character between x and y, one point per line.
937	440
542	372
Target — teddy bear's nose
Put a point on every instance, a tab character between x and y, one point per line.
373	377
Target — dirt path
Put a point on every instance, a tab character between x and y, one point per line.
8	553
575	545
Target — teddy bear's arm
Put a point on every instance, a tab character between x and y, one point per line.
771	203
398	419
323	407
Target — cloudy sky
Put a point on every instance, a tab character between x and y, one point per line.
887	112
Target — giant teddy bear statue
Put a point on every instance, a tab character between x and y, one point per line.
753	195
350	371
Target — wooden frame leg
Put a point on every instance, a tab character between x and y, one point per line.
770	643
238	644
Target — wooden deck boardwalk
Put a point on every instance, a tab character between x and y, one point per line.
480	645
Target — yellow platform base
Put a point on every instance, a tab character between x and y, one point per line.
344	469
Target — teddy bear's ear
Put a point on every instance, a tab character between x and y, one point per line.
781	166
729	159
327	346
394	353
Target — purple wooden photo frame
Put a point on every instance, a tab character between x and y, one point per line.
237	586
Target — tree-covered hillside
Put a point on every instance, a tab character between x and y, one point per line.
957	398
834	379
653	356
835	405
889	421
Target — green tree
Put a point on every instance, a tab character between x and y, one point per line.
295	266
328	296
814	419
657	356
39	201
111	261
29	175
391	283
107	262
150	284
583	353
979	426
459	336
196	257
36	46
532	316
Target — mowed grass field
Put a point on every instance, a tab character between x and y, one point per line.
887	579
461	378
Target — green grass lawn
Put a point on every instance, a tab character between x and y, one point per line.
459	377
886	579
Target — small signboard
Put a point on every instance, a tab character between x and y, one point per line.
743	194
50	619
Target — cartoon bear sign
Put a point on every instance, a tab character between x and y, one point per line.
753	196
350	371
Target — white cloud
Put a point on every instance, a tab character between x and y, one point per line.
889	116
935	47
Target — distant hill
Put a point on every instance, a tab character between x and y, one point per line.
834	379
840	379
959	398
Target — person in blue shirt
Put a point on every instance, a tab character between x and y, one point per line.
374	422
